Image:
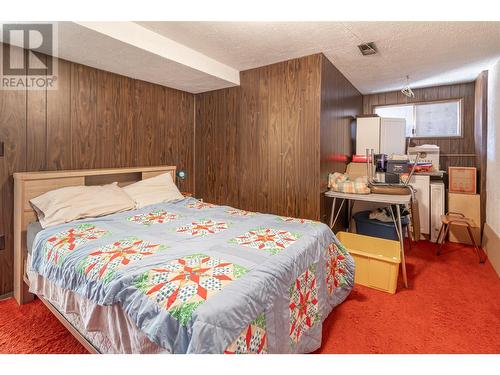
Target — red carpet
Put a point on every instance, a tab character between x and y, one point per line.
32	329
452	306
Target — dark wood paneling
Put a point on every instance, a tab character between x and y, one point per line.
453	146
94	119
85	136
217	146
36	129
144	118
273	120
170	130
481	135
341	102
260	139
58	125
114	125
272	89
300	136
256	144
253	141
179	134
13	134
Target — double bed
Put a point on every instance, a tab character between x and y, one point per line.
183	276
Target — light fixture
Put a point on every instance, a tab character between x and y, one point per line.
407	91
181	174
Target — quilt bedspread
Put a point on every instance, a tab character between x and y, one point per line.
201	278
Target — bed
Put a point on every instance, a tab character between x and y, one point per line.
179	277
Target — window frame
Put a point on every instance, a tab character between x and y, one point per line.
414	104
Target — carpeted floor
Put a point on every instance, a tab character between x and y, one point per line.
452	306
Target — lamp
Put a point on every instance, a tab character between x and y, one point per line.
181	175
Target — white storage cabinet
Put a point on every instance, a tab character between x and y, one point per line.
383	135
437	208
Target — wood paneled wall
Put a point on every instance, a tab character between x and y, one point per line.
448	146
269	144
341	102
95	119
257	145
217	146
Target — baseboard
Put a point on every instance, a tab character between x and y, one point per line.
491	244
7	295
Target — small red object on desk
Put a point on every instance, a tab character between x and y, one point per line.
359	159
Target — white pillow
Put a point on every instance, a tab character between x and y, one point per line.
77	202
153	190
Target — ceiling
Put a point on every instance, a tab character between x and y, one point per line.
431	53
93	47
204	56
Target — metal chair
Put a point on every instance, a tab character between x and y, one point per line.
455	218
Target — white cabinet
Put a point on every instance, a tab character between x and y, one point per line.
392	136
367	135
383	135
437	208
422	185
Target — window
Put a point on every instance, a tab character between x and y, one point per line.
428	120
399	111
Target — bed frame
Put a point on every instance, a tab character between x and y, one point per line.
28	185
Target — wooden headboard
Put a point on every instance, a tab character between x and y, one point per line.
28	185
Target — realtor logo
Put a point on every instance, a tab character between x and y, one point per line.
27	62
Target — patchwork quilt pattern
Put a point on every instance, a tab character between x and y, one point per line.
192	276
198	205
153	217
271	240
102	263
253	339
335	268
237	212
304	312
183	284
287	219
59	244
203	227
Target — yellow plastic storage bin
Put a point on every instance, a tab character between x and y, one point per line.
377	260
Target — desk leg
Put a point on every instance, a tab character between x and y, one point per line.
350	205
338	213
332	212
402	245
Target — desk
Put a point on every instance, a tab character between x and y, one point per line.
398	200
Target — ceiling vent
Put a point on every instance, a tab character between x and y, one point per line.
368	48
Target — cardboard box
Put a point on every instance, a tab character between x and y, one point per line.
355	170
470	206
462	180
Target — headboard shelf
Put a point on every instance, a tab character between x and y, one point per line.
28	185
123	179
91	172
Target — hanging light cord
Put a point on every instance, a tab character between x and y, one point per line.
406	91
